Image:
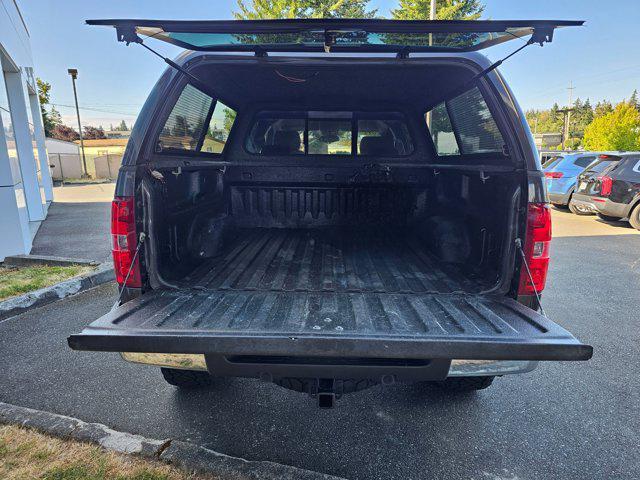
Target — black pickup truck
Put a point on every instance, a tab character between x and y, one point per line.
331	205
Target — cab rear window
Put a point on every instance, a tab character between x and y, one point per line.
464	125
197	123
329	133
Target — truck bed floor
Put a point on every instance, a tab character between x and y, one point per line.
330	260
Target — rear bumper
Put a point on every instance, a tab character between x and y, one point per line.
483	368
458	368
584	202
559	198
612	209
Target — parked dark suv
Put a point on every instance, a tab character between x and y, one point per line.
614	192
331	205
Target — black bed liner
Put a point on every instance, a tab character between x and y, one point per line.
331	324
319	294
323	293
332	260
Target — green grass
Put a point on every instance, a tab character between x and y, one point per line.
16	281
26	454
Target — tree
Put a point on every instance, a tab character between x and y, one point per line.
229	118
445	10
269	9
93	133
63	132
54	116
545	121
633	101
616	130
581	116
340	9
44	91
122	127
49	120
602	108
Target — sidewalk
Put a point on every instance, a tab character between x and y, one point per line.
77	225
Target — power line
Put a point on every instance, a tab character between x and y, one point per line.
94	109
590	80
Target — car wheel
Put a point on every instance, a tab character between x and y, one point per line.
576	211
634	217
465	384
608	218
187	379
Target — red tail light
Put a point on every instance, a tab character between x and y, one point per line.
606	184
124	242
536	249
553	174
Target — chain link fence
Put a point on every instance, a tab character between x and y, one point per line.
68	166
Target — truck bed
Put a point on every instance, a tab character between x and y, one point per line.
330	293
331	260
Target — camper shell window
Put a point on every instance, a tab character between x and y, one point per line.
197	123
464	125
330	133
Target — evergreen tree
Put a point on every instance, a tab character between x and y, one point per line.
445	10
270	9
602	108
633	101
54	117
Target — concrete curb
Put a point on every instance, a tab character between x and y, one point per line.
31	260
186	456
17	305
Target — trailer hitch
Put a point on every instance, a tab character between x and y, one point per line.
328	391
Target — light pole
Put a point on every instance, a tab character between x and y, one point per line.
74	74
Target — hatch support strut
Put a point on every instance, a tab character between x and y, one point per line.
541	35
128	35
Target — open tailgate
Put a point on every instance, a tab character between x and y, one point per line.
426	326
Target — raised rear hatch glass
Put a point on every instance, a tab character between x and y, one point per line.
347	35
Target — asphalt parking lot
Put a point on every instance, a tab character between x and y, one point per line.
77	225
564	420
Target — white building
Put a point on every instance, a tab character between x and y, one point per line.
61	147
25	180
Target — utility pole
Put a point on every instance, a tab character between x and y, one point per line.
566	112
432	16
571	88
74	74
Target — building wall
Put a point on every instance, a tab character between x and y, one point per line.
60	146
25	181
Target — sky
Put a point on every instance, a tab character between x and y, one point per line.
600	60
